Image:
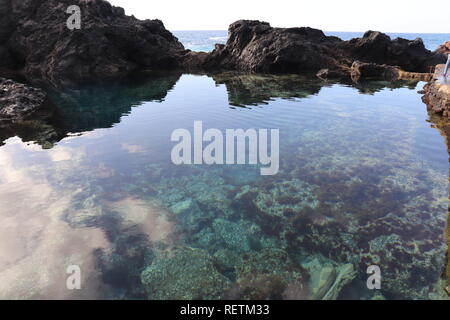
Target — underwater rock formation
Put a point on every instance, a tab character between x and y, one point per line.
328	279
18	101
184	274
35	41
437	94
270	274
321	215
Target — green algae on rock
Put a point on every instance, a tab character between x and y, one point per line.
270	274
184	274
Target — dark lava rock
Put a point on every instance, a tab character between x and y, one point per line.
255	46
35	41
17	100
364	70
377	47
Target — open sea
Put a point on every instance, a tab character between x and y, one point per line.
205	40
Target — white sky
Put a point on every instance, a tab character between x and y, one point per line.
419	16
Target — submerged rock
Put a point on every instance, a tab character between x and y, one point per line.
184	274
233	235
328	279
345	274
270	274
18	101
122	264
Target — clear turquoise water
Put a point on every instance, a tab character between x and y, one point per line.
205	40
363	181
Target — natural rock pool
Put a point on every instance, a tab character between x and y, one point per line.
363	181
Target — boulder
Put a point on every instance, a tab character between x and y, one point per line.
37	43
255	46
444	48
18	101
364	70
377	47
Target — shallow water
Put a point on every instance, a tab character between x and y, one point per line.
363	181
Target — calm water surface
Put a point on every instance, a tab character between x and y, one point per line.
363	181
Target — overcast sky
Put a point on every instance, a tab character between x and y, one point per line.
420	16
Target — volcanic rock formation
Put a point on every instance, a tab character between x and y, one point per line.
255	46
35	42
18	101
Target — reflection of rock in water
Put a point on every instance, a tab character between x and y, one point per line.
36	245
101	106
249	90
135	228
89	108
371	87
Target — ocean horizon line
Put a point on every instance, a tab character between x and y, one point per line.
395	32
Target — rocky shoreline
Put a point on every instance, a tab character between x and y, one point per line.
437	94
34	47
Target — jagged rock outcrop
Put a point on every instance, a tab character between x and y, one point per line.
35	41
18	101
255	46
377	47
